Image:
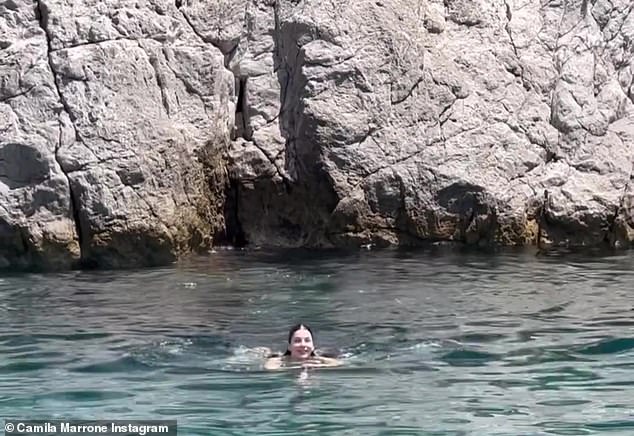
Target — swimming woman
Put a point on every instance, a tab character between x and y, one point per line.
300	350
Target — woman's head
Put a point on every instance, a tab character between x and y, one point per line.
300	342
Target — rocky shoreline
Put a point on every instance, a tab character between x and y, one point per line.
134	132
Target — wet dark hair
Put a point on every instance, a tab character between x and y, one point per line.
292	331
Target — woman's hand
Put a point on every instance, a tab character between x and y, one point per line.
321	362
273	363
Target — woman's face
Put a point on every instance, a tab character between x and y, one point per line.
301	346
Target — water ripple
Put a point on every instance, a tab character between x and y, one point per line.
433	342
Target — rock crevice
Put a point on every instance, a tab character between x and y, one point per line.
75	202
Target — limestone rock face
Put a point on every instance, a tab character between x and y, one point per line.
403	122
132	131
36	211
114	118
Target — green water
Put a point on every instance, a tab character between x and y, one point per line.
434	343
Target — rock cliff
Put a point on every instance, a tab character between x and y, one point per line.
134	131
113	116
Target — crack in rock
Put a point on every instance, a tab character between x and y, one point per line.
227	56
101	41
153	61
287	180
20	94
507	27
42	16
409	94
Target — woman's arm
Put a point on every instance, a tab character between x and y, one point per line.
322	362
273	363
329	361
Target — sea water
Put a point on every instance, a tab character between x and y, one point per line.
433	342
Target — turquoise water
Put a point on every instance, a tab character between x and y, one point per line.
435	342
